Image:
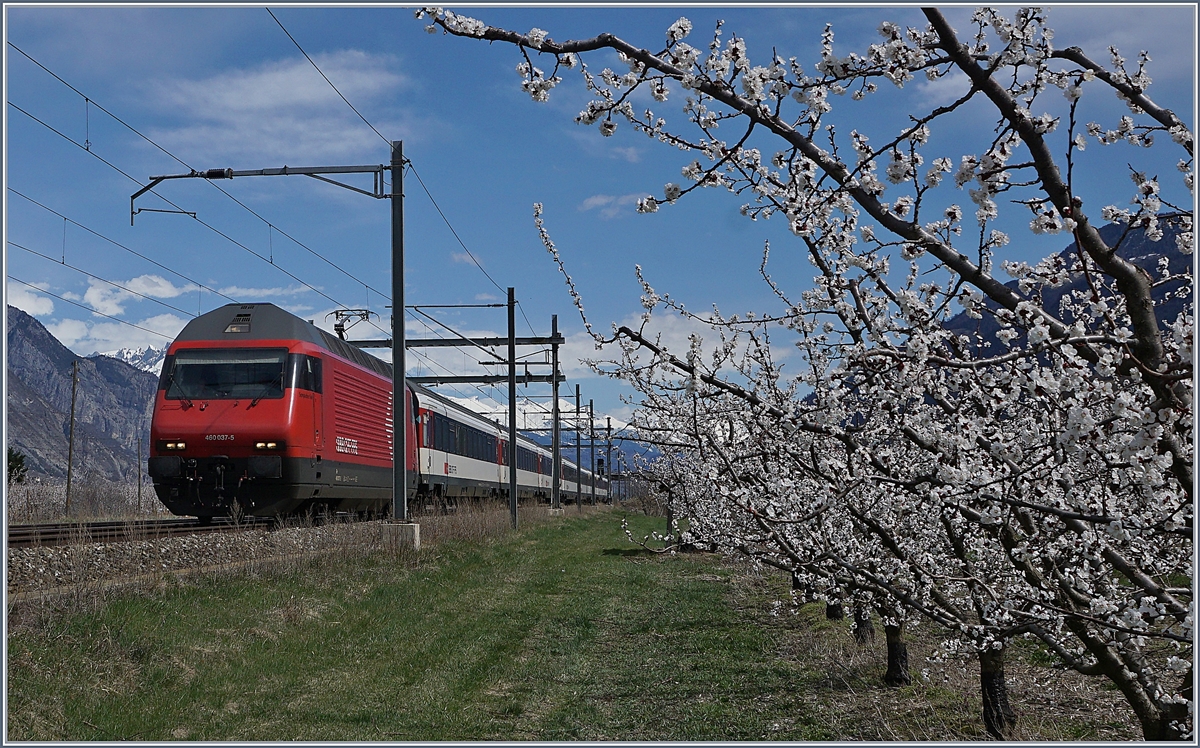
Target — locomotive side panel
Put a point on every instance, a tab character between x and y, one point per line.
358	449
362	417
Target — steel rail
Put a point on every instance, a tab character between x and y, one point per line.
115	531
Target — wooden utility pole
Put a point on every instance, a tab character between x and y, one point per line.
71	437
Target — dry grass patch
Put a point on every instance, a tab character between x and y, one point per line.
839	682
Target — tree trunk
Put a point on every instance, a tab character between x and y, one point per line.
1175	722
864	630
897	657
805	591
998	716
1155	721
1178	719
834	612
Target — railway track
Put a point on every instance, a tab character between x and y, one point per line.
66	533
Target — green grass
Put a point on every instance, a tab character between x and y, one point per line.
564	631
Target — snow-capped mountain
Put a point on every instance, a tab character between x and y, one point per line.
148	358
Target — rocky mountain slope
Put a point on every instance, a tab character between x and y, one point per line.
113	403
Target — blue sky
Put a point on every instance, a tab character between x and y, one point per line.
225	87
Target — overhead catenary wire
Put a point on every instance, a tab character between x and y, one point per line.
104	280
195	218
183	163
462	244
335	88
270	260
122	246
409	163
438	363
93	311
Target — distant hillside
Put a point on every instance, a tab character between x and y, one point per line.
113	401
1135	248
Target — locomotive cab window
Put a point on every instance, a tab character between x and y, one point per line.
304	372
225	374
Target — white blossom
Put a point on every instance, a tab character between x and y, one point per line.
678	30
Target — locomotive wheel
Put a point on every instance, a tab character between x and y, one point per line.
205	520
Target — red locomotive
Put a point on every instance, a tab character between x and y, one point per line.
258	409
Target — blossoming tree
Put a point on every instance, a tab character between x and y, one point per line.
1002	459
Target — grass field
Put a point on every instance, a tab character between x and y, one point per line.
562	631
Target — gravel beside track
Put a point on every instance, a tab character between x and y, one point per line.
44	569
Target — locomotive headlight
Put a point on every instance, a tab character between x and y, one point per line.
269	445
176	446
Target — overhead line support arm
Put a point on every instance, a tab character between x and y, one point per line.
310	171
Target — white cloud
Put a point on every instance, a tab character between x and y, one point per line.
68	331
462	257
611	205
669	331
157	286
24	298
108	299
487	297
630	154
297	309
252	294
596	201
88	337
944	90
282	108
105	298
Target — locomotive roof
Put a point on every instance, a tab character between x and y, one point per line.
269	322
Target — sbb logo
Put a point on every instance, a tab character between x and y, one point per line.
344	444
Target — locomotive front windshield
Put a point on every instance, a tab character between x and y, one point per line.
225	374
